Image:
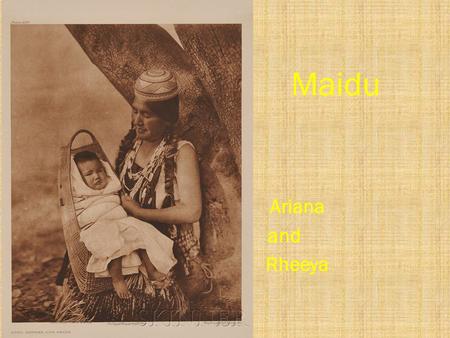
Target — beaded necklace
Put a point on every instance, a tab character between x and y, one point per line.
143	177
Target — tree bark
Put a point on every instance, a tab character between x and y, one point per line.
122	53
215	51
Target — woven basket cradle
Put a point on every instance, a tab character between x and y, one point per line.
77	251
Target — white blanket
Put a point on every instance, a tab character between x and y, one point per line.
109	233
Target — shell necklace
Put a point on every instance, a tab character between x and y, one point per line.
144	176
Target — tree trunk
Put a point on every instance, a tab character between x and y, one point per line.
122	53
216	53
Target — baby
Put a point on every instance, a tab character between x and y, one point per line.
109	234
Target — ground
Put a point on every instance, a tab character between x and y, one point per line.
38	252
34	292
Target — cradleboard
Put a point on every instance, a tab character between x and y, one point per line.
76	250
198	282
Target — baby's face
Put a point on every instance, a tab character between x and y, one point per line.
93	173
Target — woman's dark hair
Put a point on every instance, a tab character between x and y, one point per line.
125	145
168	110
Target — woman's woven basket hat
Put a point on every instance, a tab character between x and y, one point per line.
155	85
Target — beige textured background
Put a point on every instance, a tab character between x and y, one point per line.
381	165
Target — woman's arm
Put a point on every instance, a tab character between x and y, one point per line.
188	208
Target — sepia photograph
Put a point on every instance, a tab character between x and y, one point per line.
126	172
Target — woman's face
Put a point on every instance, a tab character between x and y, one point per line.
148	125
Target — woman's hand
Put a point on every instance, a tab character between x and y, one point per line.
131	207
